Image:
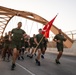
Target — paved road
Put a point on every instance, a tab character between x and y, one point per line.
48	66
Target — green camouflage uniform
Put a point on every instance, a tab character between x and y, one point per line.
39	37
16	39
60	44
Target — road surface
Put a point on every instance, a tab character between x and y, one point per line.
48	66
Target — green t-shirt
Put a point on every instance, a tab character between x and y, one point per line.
17	34
39	37
31	39
6	39
60	37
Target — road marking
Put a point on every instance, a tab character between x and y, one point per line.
25	69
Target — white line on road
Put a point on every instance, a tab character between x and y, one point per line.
25	69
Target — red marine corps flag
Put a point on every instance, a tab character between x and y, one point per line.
47	27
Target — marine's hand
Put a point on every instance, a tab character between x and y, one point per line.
58	41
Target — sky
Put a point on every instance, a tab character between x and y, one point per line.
66	9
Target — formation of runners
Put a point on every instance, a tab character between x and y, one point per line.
16	43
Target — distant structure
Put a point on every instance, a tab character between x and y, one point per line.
6	14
